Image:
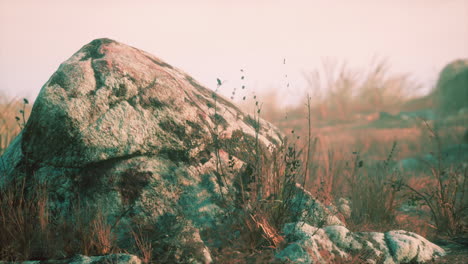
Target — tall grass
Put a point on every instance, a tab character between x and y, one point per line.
31	231
266	192
342	95
373	194
10	126
341	92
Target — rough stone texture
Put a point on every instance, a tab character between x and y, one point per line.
119	128
452	87
309	244
112	101
312	211
80	259
344	207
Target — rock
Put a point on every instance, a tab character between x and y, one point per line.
309	244
310	210
116	258
112	101
344	207
125	132
452	87
410	247
294	253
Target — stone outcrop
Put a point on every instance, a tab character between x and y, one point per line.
308	244
312	211
120	129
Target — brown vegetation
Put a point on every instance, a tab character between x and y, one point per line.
340	153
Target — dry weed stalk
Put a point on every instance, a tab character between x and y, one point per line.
445	198
143	245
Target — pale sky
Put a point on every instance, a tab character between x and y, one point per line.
215	39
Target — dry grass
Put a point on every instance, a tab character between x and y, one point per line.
31	231
9	125
332	150
19	214
445	193
143	245
341	116
340	93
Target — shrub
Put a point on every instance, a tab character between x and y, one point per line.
452	87
340	92
374	190
445	197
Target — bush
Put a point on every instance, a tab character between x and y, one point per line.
445	197
452	87
374	190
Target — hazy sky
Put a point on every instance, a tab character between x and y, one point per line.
211	39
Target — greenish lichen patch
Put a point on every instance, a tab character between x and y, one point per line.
175	155
120	91
219	120
131	185
93	49
99	67
209	104
152	102
240	145
271	139
173	128
194	126
60	78
252	122
41	142
203	156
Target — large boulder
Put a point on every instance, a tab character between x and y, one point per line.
120	129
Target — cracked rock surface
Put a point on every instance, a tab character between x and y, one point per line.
308	244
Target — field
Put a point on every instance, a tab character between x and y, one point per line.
352	134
